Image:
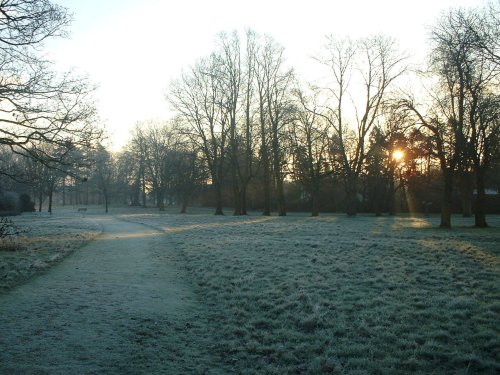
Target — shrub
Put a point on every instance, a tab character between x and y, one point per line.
26	204
9	203
9	233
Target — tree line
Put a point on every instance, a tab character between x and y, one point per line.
248	133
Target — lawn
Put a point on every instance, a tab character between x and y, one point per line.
44	241
333	294
303	295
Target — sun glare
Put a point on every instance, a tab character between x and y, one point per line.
398	155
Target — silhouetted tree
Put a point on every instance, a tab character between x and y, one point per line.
154	141
274	85
373	63
229	74
463	116
37	106
197	98
309	143
103	169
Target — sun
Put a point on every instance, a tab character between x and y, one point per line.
398	155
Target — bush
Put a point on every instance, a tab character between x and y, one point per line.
26	204
9	232
9	203
8	228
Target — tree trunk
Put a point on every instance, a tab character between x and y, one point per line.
135	192
391	194
280	196
40	200
106	198
64	191
184	204
404	202
218	199
276	152
237	200
480	213
143	189
86	193
244	200
160	196
351	196
267	186
315	200
50	201
446	204
377	199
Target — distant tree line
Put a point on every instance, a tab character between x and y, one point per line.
249	134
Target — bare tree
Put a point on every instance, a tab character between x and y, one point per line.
230	79
435	121
46	176
481	29
484	147
463	114
153	140
274	85
309	138
138	150
237	81
29	22
264	149
372	64
197	98
187	170
104	166
128	176
249	133
37	106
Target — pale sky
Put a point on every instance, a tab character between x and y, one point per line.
132	49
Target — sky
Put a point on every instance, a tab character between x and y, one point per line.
132	49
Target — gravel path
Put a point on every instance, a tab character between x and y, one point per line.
117	306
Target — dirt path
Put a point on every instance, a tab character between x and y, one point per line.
117	306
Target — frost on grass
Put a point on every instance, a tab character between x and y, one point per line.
42	241
342	295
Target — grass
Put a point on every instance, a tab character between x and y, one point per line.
301	295
44	241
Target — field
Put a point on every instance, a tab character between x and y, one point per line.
45	241
302	295
331	294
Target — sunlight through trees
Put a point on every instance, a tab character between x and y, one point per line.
369	135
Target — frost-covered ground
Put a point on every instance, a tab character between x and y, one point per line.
44	241
277	295
115	306
333	294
